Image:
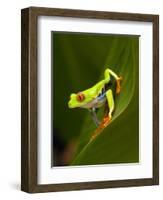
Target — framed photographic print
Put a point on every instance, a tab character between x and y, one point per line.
90	99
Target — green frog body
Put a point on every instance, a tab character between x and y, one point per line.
97	96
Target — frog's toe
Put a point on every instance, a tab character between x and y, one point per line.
106	120
118	90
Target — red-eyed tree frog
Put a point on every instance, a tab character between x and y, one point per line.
98	95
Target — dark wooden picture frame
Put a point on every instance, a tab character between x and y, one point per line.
29	172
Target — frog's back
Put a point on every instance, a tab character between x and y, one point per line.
96	89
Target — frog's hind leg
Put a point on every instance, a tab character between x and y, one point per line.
110	100
109	109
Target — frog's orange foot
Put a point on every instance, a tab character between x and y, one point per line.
106	120
118	87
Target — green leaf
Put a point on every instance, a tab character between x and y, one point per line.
79	62
118	143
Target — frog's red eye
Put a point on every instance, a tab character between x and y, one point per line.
80	96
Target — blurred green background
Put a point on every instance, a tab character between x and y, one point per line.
79	61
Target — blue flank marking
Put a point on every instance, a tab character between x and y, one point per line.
101	97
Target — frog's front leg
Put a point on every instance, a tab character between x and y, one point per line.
108	116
